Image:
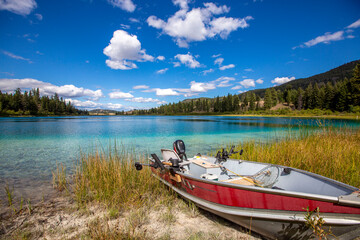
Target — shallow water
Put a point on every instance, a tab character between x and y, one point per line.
30	147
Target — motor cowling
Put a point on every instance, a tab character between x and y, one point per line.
179	148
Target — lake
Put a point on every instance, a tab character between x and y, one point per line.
30	147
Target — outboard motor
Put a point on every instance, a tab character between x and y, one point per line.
179	148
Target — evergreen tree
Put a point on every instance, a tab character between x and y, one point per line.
252	101
355	86
308	99
268	99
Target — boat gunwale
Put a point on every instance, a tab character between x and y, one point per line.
310	196
270	214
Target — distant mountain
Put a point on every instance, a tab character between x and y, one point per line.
332	75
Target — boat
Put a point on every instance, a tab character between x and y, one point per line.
275	201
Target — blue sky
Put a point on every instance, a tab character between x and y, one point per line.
126	54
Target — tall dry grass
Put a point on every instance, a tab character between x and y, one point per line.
111	178
333	153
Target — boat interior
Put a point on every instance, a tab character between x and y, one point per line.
254	174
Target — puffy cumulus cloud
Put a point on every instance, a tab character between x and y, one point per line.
282	80
166	92
161	58
259	81
126	5
66	91
226	67
94	105
117	95
141	87
123	50
21	7
354	25
84	104
218	61
247	83
201	86
145	100
197	87
162	71
198	24
188	60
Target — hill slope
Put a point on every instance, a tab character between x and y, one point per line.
332	75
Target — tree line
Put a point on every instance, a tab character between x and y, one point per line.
342	96
31	103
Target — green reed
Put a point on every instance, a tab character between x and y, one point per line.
111	178
333	153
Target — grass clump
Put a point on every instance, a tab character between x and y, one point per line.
59	177
113	180
333	153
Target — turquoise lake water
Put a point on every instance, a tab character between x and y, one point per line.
31	147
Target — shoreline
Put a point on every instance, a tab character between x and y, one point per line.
60	218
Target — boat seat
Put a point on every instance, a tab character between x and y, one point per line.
204	164
241	181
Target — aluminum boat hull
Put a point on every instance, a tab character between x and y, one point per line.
275	214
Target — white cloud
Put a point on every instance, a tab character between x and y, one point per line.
84	104
145	100
226	67
123	49
236	87
216	55
281	80
207	71
259	81
9	54
248	70
124	26
196	87
166	92
126	5
224	81
201	87
117	95
94	105
326	38
218	61
21	7
188	60
45	88
198	24
183	4
140	87
161	58
354	25
247	83
162	71
39	16
134	20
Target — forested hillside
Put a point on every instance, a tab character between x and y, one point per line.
30	103
325	91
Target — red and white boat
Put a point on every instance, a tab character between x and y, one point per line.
266	198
